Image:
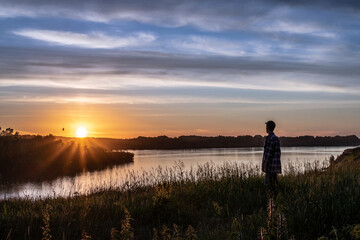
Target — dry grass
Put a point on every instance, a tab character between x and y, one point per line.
212	202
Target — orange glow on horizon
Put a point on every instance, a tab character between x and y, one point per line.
110	121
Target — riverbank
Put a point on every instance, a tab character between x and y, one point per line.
224	203
39	158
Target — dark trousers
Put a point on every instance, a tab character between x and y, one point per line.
271	182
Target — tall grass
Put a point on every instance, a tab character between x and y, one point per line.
211	202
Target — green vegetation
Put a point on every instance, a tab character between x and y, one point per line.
227	202
36	158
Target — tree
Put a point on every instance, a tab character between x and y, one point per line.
7	132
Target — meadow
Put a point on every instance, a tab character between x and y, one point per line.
227	202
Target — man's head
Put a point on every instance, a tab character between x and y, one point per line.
270	126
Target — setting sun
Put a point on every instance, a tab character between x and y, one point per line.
81	132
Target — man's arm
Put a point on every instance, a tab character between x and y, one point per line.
268	154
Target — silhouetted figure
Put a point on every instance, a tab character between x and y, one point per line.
63	129
271	163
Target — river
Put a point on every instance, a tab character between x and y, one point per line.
151	166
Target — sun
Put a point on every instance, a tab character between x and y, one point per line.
81	132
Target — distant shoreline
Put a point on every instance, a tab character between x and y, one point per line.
200	142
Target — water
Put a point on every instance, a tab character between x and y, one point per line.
149	167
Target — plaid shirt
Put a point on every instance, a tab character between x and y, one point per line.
271	159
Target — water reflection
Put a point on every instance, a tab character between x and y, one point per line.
150	166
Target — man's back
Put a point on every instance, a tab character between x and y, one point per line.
271	159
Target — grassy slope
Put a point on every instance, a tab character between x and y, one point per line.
314	204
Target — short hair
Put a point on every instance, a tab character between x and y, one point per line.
271	125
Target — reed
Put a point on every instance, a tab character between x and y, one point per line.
213	202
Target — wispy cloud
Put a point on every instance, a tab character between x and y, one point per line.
90	40
107	69
203	44
298	28
220	46
167	95
217	15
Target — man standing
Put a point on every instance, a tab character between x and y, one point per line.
271	164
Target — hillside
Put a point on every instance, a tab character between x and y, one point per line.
351	155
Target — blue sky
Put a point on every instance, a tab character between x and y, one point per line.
180	67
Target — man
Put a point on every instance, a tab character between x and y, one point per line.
271	164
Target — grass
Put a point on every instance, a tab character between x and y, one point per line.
228	202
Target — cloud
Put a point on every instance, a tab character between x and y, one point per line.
16	60
127	70
267	27
351	4
210	15
215	16
203	44
167	95
298	28
91	40
275	27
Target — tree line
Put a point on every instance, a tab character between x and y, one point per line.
193	142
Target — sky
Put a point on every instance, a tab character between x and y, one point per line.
124	69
